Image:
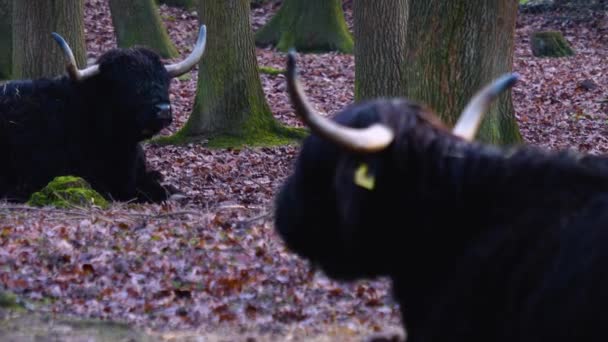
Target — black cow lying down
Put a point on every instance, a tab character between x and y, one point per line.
481	243
89	123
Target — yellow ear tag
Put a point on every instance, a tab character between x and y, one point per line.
363	178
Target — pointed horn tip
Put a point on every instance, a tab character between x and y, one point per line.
511	79
58	38
504	82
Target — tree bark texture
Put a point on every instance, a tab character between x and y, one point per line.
308	25
137	22
380	50
6	39
456	47
229	100
35	53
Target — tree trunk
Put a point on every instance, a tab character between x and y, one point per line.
35	53
380	32
308	25
456	47
230	107
6	39
137	22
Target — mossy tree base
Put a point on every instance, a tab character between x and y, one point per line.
266	136
550	44
308	25
230	109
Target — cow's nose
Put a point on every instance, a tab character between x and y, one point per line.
164	111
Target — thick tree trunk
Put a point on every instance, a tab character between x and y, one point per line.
456	47
6	39
308	25
137	22
35	53
230	107
380	33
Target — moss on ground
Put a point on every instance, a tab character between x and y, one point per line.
270	70
8	300
280	135
38	326
67	192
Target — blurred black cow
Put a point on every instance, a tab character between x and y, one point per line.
481	243
89	123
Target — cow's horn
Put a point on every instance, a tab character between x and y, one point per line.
363	140
70	62
184	66
471	116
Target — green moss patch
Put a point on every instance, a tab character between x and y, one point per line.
280	135
283	136
270	70
67	192
8	300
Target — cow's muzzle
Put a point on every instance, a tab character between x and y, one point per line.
163	112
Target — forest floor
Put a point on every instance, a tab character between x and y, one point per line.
210	265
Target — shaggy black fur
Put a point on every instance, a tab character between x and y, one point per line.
91	129
481	243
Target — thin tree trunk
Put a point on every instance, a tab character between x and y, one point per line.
6	39
230	107
380	33
308	25
137	22
35	53
456	47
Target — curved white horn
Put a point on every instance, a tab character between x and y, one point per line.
363	140
184	66
467	125
70	62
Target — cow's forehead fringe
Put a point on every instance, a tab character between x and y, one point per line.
400	114
140	56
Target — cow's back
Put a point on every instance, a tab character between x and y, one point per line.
540	280
37	121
